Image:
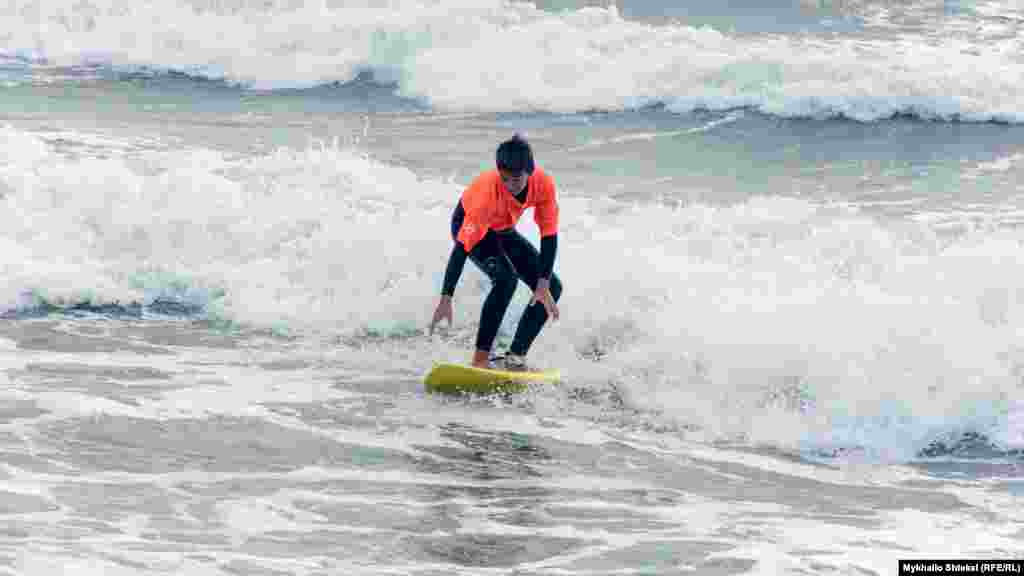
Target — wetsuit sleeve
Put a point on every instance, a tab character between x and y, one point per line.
456	262
546	212
548	249
457	259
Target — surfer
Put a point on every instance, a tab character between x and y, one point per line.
483	227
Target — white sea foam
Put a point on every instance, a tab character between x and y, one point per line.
772	320
498	55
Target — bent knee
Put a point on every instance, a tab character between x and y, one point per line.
504	283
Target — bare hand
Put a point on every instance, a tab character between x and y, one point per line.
543	295
443	310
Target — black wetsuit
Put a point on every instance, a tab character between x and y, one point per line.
505	257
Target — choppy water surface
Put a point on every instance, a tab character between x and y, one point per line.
790	242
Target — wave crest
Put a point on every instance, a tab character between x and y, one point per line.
497	56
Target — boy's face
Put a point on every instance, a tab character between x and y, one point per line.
514	181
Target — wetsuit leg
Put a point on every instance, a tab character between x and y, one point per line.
525	260
489	256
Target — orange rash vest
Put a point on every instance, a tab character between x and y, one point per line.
489	206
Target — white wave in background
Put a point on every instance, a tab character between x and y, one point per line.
491	55
774	320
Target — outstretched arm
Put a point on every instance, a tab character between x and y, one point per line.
456	262
546	216
548	250
542	294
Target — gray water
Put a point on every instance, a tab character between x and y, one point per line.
789	341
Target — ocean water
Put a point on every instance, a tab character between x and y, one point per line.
792	333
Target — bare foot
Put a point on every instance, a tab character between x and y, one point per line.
481	359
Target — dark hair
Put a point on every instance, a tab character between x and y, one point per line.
515	155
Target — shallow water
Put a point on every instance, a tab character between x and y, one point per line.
138	446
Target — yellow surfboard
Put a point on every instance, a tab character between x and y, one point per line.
450	378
